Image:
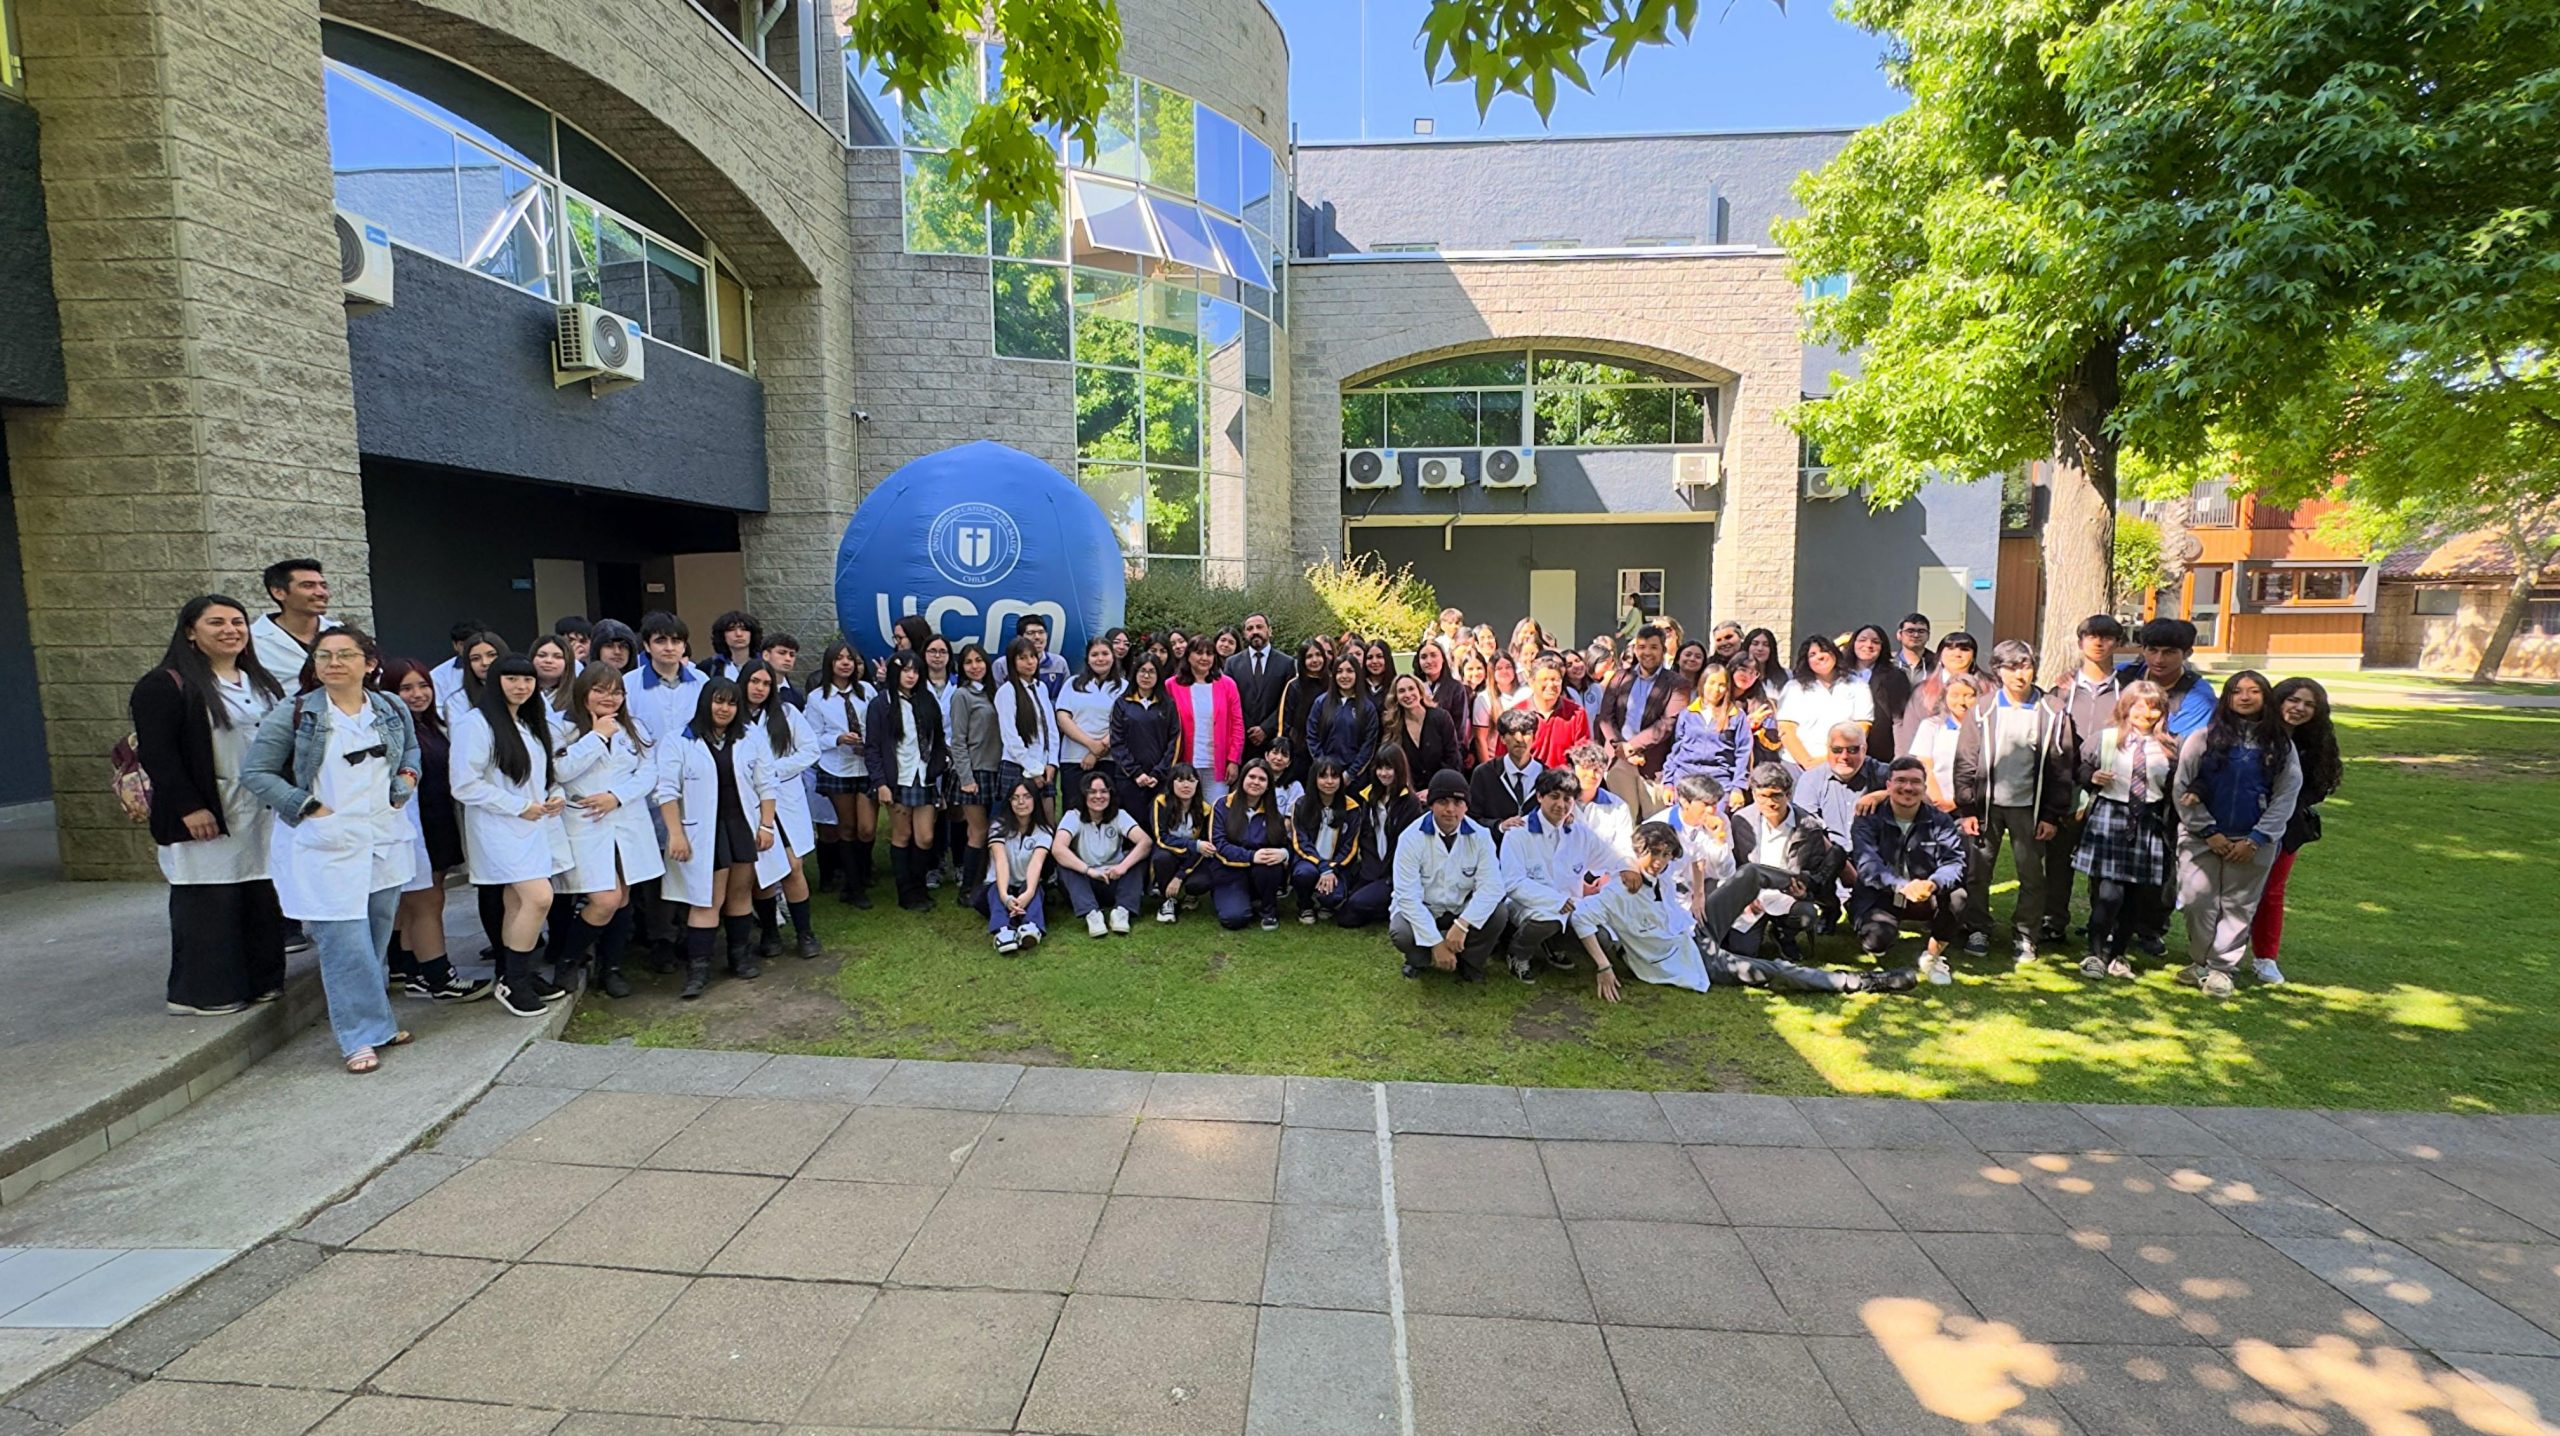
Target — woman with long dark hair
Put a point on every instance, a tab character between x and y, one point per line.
478	652
1101	851
553	665
1298	696
1018	849
1429	740
418	960
193	720
788	748
1343	725
1084	707
1324	838
1821	696
977	751
909	762
608	771
335	765
1377	671
511	829
838	697
2303	706
716	795
1142	736
2236	787
1431	667
1025	720
1253	855
1889	689
1186	853
1209	719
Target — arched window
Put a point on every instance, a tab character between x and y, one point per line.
1550	398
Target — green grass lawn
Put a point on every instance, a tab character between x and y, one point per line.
2422	946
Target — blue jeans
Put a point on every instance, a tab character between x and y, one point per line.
999	917
1087	894
353	974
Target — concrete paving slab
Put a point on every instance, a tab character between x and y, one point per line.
1736	1119
623	1423
392	1188
735	1349
607	1129
1329	1102
2407	1203
1079	1092
500	1116
1456	1109
1471	1174
38	1270
1326	1257
1178	1247
2151	1131
828	1231
1214	1097
2529	1386
495	1209
2530	1193
1638	1181
1228	1161
1322	1373
1708	1383
2163	1391
2023	1126
659	1221
1930	1191
1485	1376
910	1145
2115	1192
118	1290
2255	1197
765	1136
147	1345
409	1416
2228	1287
568	1064
1135	1367
799	1078
346	1320
2524	1279
2271	1134
1826	1279
944	1360
1465	1264
1936	1382
543	1333
1881	1122
957	1086
2449	1138
1674	1274
2537	1131
1570	1115
1019	1241
186	1408
1055	1154
2053	1289
687	1070
1328	1168
2435	1308
1787	1187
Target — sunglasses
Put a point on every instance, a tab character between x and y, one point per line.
1846	748
360	754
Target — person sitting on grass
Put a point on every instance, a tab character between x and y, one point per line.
1548	864
1101	852
1324	840
1910	864
1447	914
1185	859
1253	855
1389	812
1286	790
1644	915
1017	853
1603	812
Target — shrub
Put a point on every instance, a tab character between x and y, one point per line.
1359	594
2138	565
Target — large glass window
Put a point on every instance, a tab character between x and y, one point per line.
1549	398
12	78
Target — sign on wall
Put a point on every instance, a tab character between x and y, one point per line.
973	538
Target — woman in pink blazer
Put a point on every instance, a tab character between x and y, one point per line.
1221	728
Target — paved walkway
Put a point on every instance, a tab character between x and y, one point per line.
643	1243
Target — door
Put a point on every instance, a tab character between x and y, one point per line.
1942	597
1551	602
559	590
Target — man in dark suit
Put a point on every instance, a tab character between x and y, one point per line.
1259	674
1638	711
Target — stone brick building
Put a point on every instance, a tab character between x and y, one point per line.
186	394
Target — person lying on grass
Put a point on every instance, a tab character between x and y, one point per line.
1644	916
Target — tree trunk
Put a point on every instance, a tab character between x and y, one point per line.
2080	525
2493	654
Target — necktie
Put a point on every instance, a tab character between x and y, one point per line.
1518	797
2141	771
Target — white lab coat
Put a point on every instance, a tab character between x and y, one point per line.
790	790
1433	877
621	846
499	845
830	716
326	869
279	652
686	776
1542	866
1613	823
1652	927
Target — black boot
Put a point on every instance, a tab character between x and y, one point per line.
569	948
768	928
516	992
697	962
856	867
805	936
907	872
973	877
742	945
611	944
829	855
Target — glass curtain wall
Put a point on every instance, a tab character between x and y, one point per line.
1545	398
1159	276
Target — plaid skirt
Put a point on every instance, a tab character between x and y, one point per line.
2125	844
831	784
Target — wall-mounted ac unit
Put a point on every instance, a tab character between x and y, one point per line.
1440	471
1693	474
364	261
1818	484
1370	469
1508	469
597	344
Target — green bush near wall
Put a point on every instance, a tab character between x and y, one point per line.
1361	595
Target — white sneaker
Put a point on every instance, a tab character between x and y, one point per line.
1027	935
1935	969
1306	917
2268	974
2026	955
1007	940
1120	921
1169	911
1095	924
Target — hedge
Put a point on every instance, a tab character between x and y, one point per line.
1359	594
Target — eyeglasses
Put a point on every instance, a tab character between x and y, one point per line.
1845	748
338	655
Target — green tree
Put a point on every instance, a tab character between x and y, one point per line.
2137	568
1060	58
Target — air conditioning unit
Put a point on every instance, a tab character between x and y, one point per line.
1440	471
1508	469
1692	473
597	344
1370	469
364	261
1818	484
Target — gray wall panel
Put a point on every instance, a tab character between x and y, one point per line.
30	328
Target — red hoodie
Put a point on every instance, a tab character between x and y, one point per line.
1559	732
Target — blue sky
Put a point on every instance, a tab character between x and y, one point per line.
1748	67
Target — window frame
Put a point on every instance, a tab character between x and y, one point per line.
2451	594
1657	591
1710	394
2351	600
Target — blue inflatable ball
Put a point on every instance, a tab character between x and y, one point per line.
974	538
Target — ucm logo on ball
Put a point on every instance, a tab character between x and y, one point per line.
974	544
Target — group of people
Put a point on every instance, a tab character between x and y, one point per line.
1695	810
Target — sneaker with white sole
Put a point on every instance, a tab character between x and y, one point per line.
2211	981
2093	966
1306	917
1271	921
1008	940
1978	944
2026	954
2266	971
1027	935
1120	921
1936	970
219	1009
521	1001
1169	911
1095	924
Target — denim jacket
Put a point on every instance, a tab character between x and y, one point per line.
293	740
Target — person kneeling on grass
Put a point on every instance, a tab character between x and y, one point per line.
1910	863
1324	841
1101	852
1643	915
1547	867
1017	853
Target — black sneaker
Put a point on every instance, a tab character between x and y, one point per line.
414	986
2152	945
747	969
809	947
526	1003
615	985
456	989
1895	979
1560	957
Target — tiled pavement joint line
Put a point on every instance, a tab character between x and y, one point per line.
1395	1259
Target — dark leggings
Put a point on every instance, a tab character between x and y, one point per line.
2110	916
1364	904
